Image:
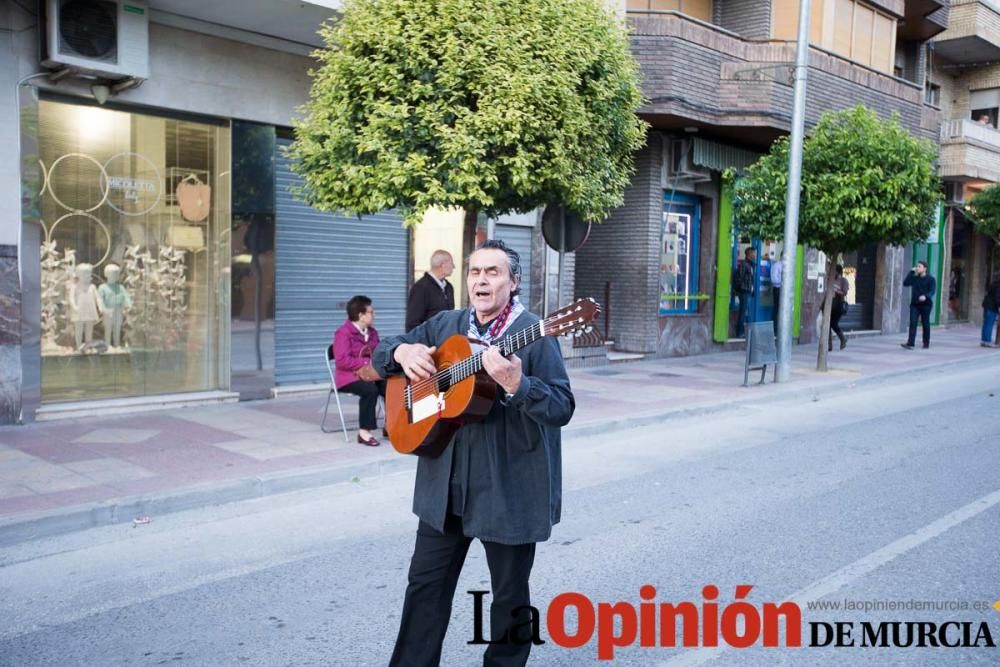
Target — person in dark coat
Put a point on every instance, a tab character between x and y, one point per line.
991	304
840	289
353	344
432	293
923	287
743	288
499	480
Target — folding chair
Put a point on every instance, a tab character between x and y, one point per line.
331	367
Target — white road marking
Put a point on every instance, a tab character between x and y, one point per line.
853	571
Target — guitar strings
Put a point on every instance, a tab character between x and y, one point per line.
430	386
468	366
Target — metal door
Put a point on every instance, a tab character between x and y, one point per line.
324	259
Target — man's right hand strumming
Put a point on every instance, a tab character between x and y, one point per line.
416	360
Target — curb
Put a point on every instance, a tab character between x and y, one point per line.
53	523
45	524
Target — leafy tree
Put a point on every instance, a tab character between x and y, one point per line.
864	180
984	210
486	105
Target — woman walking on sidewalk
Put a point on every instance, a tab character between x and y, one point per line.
991	303
840	289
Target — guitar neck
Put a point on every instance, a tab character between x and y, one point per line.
508	346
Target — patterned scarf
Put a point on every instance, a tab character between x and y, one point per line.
500	325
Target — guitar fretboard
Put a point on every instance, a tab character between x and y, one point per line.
469	366
508	346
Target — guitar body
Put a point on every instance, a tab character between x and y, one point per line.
427	431
422	417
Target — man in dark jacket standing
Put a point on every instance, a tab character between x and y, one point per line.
922	289
432	293
500	479
743	284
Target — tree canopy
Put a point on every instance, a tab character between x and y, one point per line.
864	180
487	105
984	210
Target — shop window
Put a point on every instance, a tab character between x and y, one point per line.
679	255
135	254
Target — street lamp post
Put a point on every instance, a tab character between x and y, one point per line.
784	368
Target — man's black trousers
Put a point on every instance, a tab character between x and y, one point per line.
437	562
923	312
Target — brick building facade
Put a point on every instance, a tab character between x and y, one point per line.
964	80
715	91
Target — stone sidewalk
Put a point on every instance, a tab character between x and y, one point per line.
61	476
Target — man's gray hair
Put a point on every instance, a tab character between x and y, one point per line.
513	259
439	257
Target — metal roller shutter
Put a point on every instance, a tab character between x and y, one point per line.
322	260
519	238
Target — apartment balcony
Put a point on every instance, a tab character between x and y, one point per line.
973	34
700	75
969	151
923	19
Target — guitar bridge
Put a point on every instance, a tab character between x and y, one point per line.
431	405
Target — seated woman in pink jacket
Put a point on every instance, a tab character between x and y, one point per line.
352	349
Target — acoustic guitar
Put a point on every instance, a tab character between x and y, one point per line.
422	416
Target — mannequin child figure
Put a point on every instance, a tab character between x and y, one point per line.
85	307
115	301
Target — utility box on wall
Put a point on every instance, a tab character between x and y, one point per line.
108	38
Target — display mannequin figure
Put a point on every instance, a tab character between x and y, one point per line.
115	301
85	307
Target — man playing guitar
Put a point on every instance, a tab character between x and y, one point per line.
500	479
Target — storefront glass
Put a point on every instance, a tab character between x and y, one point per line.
135	259
679	254
253	260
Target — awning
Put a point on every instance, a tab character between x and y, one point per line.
719	157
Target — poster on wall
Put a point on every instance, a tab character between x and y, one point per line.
675	262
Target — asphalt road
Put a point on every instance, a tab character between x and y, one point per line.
882	494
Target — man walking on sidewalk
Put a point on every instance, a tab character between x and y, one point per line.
923	286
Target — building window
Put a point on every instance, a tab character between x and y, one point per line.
135	254
699	9
985	105
932	94
849	28
679	254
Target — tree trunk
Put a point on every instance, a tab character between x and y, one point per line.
469	242
824	334
469	231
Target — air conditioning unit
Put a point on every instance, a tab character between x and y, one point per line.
678	164
109	38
